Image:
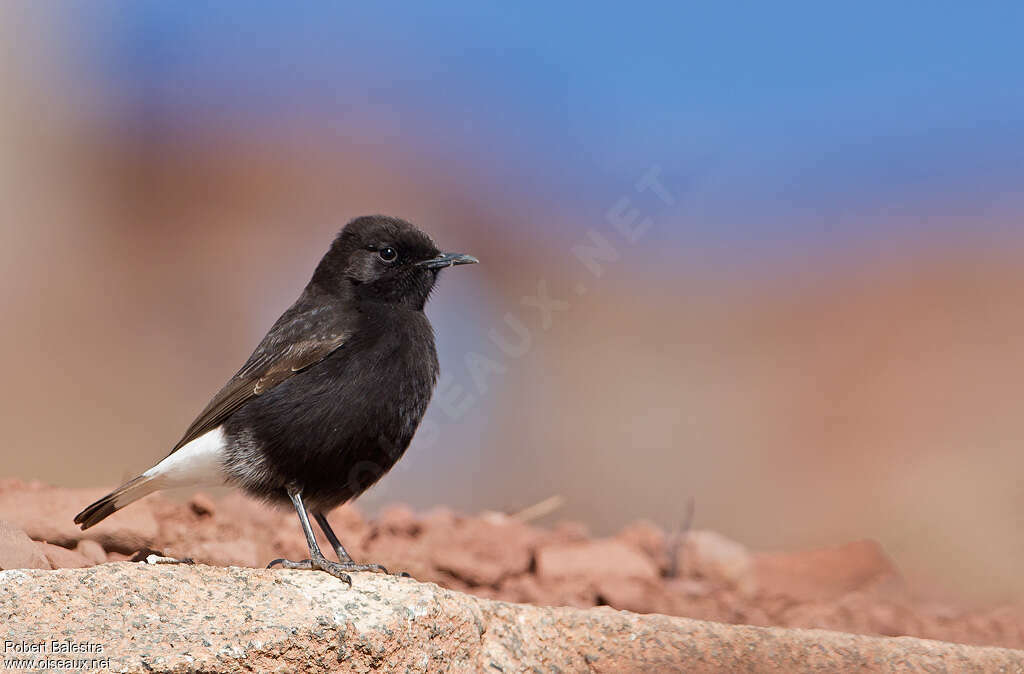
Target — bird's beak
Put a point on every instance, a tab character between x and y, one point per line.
448	260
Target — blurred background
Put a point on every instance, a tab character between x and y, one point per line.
778	250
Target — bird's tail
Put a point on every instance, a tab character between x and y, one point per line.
129	492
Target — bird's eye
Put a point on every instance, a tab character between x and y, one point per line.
388	254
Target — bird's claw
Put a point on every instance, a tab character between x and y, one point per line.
339	570
305	564
376	568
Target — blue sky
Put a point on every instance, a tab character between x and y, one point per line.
798	118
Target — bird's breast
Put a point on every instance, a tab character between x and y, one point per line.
340	425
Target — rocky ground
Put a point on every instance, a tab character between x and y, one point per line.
849	588
126	617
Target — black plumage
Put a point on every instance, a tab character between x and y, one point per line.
333	394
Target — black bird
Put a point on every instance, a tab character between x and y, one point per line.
332	396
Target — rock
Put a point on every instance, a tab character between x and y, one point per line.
576	592
826	573
47	514
498	557
710	555
18	551
234	530
62	558
199	618
632	594
459	552
439	517
481	552
229	553
649	539
398	519
92	551
202	505
594	560
347	521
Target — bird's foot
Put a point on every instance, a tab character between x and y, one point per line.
376	568
339	570
318	563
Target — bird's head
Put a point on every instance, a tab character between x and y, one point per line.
385	259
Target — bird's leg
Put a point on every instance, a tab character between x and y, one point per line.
339	549
316	558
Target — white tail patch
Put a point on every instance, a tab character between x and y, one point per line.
199	463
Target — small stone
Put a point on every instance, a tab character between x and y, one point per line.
710	555
632	594
92	551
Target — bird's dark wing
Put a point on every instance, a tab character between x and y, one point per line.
295	343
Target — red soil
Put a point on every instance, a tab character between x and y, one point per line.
850	588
